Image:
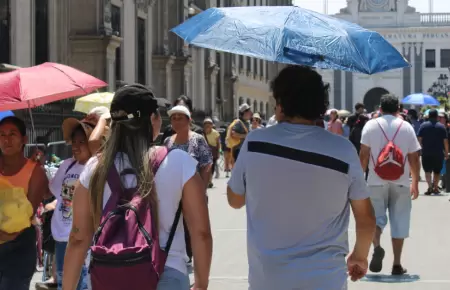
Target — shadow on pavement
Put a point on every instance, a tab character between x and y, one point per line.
385	278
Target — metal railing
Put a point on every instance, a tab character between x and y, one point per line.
435	19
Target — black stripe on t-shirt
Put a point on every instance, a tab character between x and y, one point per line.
298	155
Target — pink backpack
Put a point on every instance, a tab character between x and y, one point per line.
125	253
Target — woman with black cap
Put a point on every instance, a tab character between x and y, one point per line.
130	149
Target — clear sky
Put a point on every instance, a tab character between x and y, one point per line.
335	5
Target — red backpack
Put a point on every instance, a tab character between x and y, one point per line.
125	253
390	164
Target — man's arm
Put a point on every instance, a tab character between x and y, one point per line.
365	226
237	185
446	148
364	155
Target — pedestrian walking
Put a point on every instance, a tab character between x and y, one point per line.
434	141
389	148
238	130
310	178
18	250
162	188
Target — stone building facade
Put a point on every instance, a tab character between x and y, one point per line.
422	38
130	40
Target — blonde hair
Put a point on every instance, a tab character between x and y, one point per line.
131	139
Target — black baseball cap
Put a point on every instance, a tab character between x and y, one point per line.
134	101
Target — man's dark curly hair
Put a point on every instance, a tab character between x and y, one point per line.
389	104
300	92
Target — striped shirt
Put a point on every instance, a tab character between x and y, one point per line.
298	181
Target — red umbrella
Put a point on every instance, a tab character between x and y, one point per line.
42	84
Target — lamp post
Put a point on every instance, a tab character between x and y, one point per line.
441	88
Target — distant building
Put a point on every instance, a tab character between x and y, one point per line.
129	40
423	39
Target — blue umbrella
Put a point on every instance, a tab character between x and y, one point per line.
5	114
292	35
420	99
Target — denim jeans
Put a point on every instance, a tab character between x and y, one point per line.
172	279
16	283
60	251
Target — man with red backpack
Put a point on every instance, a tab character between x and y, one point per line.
389	147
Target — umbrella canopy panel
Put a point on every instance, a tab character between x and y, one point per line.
292	35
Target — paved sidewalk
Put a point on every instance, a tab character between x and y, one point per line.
426	253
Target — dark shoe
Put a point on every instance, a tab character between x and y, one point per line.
376	265
46	286
398	270
210	185
436	191
429	191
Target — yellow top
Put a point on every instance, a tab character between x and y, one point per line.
15	208
22	178
212	138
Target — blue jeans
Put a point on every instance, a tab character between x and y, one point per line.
60	251
172	279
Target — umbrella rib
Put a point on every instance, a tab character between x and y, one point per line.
73	81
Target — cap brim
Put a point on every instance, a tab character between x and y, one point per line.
171	112
163	103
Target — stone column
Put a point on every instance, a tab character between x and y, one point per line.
201	78
213	71
149	47
166	27
129	41
53	29
337	89
418	76
187	77
170	62
22	34
235	84
407	71
113	43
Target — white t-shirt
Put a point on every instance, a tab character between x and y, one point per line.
62	187
373	137
176	169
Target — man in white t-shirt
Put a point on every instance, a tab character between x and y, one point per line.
392	196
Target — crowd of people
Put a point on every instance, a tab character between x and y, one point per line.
131	198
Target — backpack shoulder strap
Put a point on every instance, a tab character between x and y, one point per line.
158	157
173	229
398	129
381	128
115	186
71	165
161	154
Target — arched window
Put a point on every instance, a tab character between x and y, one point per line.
255	106
241	100
261	108
267	111
249	102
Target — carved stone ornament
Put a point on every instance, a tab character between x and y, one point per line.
143	4
418	46
170	62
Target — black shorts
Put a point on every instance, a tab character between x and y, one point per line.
432	163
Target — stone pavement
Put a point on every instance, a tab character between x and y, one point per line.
426	253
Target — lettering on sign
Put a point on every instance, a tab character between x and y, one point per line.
404	36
